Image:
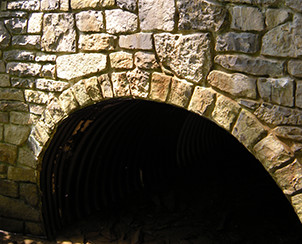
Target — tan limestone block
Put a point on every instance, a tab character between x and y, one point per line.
80	93
68	101
203	99
121	85
16	134
181	92
121	60
106	86
93	89
139	83
8	153
145	60
160	84
21	174
296	202
81	4
26	157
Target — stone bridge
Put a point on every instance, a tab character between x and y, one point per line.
235	62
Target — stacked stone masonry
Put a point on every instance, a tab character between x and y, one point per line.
236	62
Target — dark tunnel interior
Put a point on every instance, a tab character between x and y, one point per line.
133	156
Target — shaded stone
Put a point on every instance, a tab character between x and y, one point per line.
139	82
295	67
68	101
225	112
34	145
13	14
279	91
16	25
296	202
121	85
50	4
13	106
36	109
80	93
11	225
48	71
35	23
93	89
38	97
247	18
160	84
289	132
238	85
119	21
127	4
202	101
145	60
58	33
181	92
11	94
188	56
90	21
299	93
272	153
4	117
23	69
23	82
95	42
36	229
53	113
9	188
80	4
121	60
16	134
27	41
77	65
294	4
156	14
1	132
21	174
8	153
4	36
275	17
51	85
20	118
40	132
136	41
2	66
237	42
106	86
200	15
29	193
19	55
31	5
254	2
250	65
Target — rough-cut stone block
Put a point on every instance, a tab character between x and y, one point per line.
20	118
238	85
200	15
16	134
139	82
48	71
31	5
35	23
68	101
202	101
27	41
279	91
254	2
284	40
274	17
42	57
250	65
12	225
13	106
237	42
38	97
23	82
80	93
53	113
9	188
181	92
64	5
90	21
106	86
1	133
26	157
19	55
145	60
8	153
16	25
50	4
93	89
136	41
247	18
299	93
156	14
160	84
4	117
295	68
121	85
296	202
11	94
40	132
96	42
2	66
272	153
29	193
81	4
294	4
58	33
4	36
225	112
77	65
127	4
121	60
119	21
289	132
188	56
51	85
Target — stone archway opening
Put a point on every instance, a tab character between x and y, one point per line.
148	171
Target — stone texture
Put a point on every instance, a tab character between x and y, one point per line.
38	97
294	4
64	5
4	117
237	42
121	60
80	4
16	25
53	114
289	132
275	17
12	225
279	91
13	14
21	174
121	86
1	133
31	5
200	15
77	65
51	85
2	66
29	193
9	188
80	93
35	23
13	106
203	100
106	86
58	33
39	132
187	55
8	153
247	18
23	69
236	84
127	4
90	21
49	71
139	83
295	67
18	55
296	202
250	65
4	36
95	42
272	153
156	15
160	84
145	60
225	112
284	40
27	41
68	101
11	94
20	118
136	41
254	2
299	93
119	21
50	4
93	89
23	82
16	134
181	92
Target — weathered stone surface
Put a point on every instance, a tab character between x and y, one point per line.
16	25
35	23
58	33
156	14
64	5
247	19
238	85
8	153
16	134
145	60
80	4
187	55
95	42
36	229
19	55
139	82
279	91
121	60
289	132
127	4
38	97
277	115
121	85
237	42
90	21
53	113
32	5
21	174
12	225
119	21
296	202
254	2
200	15
295	67
4	117
13	106
50	4
77	65
11	94
93	89
181	92
9	188
294	4
299	93
4	36
22	82
27	41
1	133
289	178
51	85
160	84
136	41
2	66
49	71
284	40
250	65
13	14
272	153
23	69
203	100
29	193
80	93
68	101
275	17
106	86
36	109
42	57
20	118
40	132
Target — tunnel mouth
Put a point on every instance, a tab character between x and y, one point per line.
156	163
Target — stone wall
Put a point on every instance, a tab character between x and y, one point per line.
236	62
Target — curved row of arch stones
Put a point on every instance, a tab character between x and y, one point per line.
236	62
